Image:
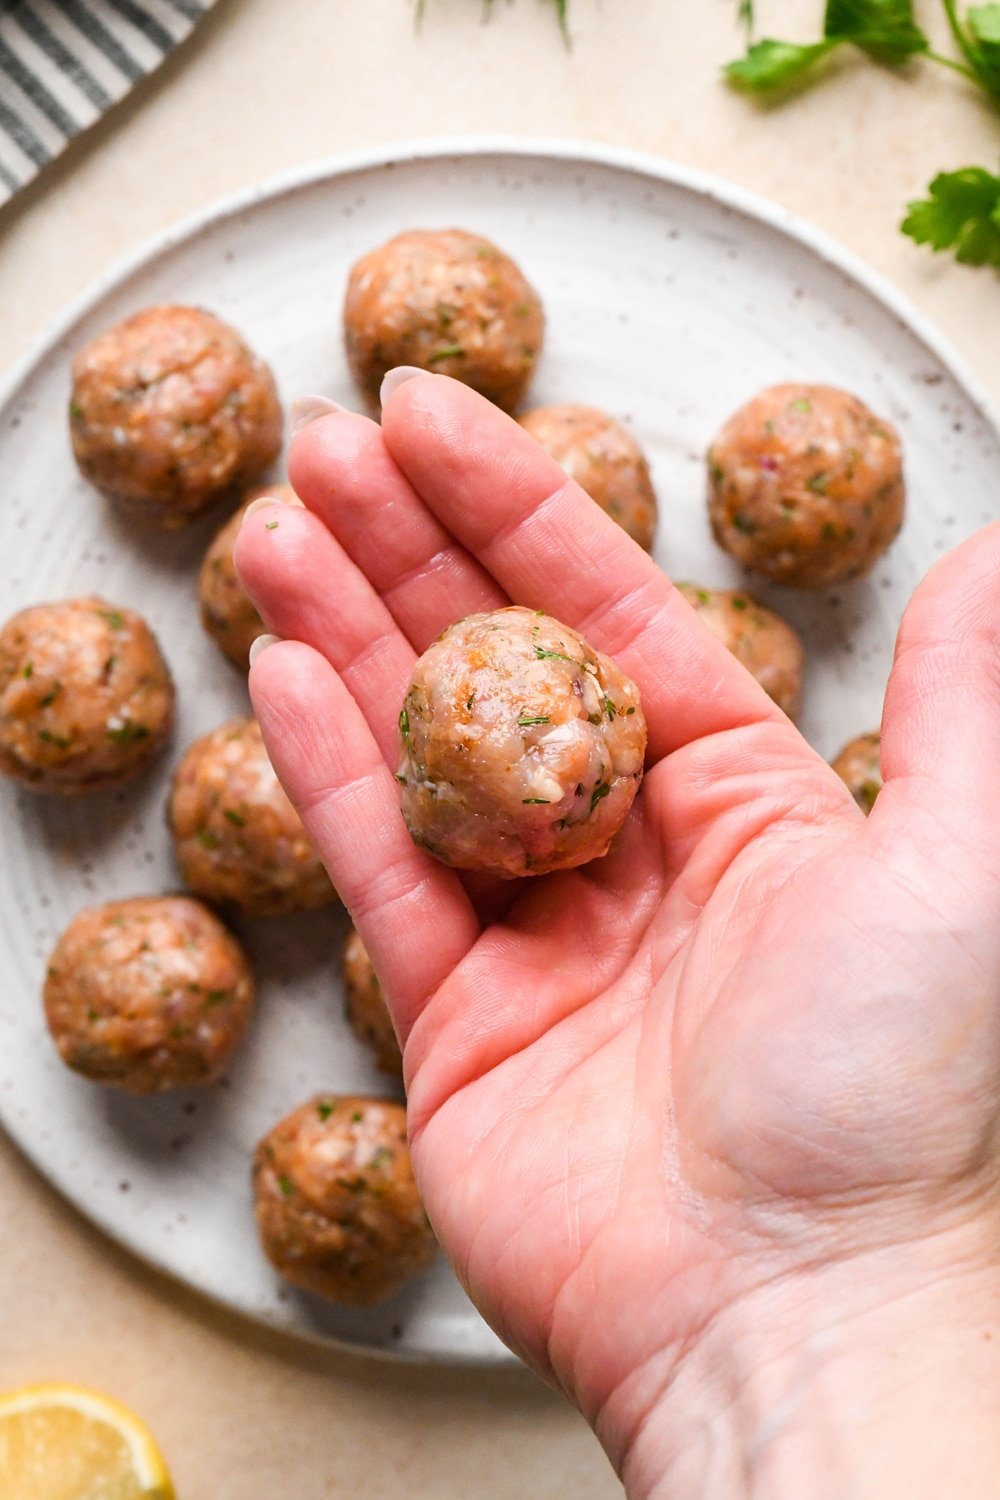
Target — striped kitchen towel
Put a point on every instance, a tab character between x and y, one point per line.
64	62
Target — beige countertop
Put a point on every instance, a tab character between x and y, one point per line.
263	85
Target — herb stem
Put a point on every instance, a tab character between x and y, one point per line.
961	39
956	67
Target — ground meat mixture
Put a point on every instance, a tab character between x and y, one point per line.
237	837
805	484
86	698
148	994
522	748
170	411
337	1207
448	302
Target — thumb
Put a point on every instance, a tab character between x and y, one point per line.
941	721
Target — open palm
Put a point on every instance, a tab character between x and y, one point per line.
762	1034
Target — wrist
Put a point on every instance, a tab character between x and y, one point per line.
876	1376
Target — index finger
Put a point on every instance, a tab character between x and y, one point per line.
549	546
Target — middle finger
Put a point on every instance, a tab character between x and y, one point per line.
341	468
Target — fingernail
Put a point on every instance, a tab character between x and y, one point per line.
306	409
393	379
262	503
257	646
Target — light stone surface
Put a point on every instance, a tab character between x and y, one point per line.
263	85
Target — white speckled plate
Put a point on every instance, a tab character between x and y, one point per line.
671	298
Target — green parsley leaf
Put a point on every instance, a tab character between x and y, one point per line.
286	1185
404	723
544	655
770	64
215	997
114	617
28	669
962	214
535	802
609	707
527	719
270	525
235	817
324	1109
207	839
885	29
984	26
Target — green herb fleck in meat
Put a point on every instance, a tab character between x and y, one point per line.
449	351
127	733
599	793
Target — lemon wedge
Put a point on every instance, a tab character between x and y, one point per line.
62	1442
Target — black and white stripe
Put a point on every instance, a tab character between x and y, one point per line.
64	62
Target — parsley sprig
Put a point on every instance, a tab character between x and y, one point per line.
962	210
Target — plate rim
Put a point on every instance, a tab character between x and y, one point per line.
567	151
696	180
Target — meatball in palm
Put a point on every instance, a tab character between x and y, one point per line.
522	747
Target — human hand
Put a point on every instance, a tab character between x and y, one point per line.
703	1124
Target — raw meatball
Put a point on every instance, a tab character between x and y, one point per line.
758	638
806	485
447	301
148	994
86	699
522	747
604	459
366	1007
858	765
237	837
337	1207
170	411
227	612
